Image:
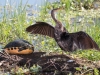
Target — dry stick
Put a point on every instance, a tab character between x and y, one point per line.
52	63
87	71
64	67
5	53
7	56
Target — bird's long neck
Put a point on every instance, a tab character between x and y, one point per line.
58	23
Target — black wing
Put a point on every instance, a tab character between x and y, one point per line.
41	28
86	42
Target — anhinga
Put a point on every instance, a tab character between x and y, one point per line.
67	41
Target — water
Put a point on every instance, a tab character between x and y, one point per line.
33	5
30	2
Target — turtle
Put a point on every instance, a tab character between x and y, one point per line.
19	46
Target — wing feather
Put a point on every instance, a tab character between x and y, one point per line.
37	30
86	41
42	28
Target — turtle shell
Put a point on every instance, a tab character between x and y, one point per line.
19	46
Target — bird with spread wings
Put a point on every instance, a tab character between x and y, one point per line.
66	41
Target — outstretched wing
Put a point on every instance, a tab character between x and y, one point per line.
41	28
86	41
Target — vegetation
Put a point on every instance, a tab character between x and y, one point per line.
14	21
